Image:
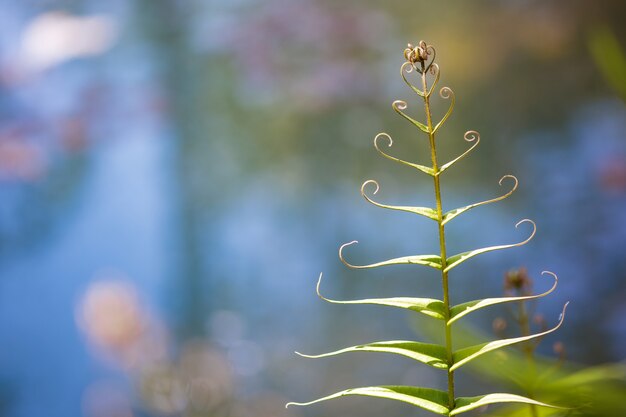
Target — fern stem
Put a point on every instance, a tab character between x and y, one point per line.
442	236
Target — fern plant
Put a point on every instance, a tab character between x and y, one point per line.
420	60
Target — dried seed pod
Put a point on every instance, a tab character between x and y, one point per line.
499	325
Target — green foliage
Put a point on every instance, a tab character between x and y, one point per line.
420	60
429	399
461	310
428	353
596	391
463	356
610	58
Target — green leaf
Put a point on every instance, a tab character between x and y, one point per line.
470	136
408	68
400	105
446	92
434	261
428	306
422	168
426	398
463	404
463	356
422	211
453	213
437	73
458	259
430	354
597	376
461	310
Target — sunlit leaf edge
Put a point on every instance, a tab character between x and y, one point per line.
400	105
456	212
458	259
429	399
465	355
433	261
428	306
427	212
428	353
424	169
470	136
464	404
461	310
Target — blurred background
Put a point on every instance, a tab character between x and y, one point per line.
174	175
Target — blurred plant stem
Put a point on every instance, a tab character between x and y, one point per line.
163	24
521	285
609	57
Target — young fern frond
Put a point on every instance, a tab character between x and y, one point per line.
461	310
445	93
428	306
434	261
428	353
458	259
463	356
422	168
400	105
470	136
453	213
422	211
421	60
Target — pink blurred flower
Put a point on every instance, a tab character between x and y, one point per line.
119	326
21	159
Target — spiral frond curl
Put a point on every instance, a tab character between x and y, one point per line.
365	184
341	258
453	213
458	259
432	52
408	68
422	168
446	93
434	70
470	136
400	105
422	211
461	310
433	261
417	54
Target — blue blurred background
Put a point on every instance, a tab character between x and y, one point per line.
174	175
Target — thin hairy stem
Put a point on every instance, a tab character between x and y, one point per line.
442	236
528	349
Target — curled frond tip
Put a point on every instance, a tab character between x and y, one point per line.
556	280
513	177
385	135
341	258
562	315
471	136
419	55
366	183
399	105
415	54
446	92
317	286
533	232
